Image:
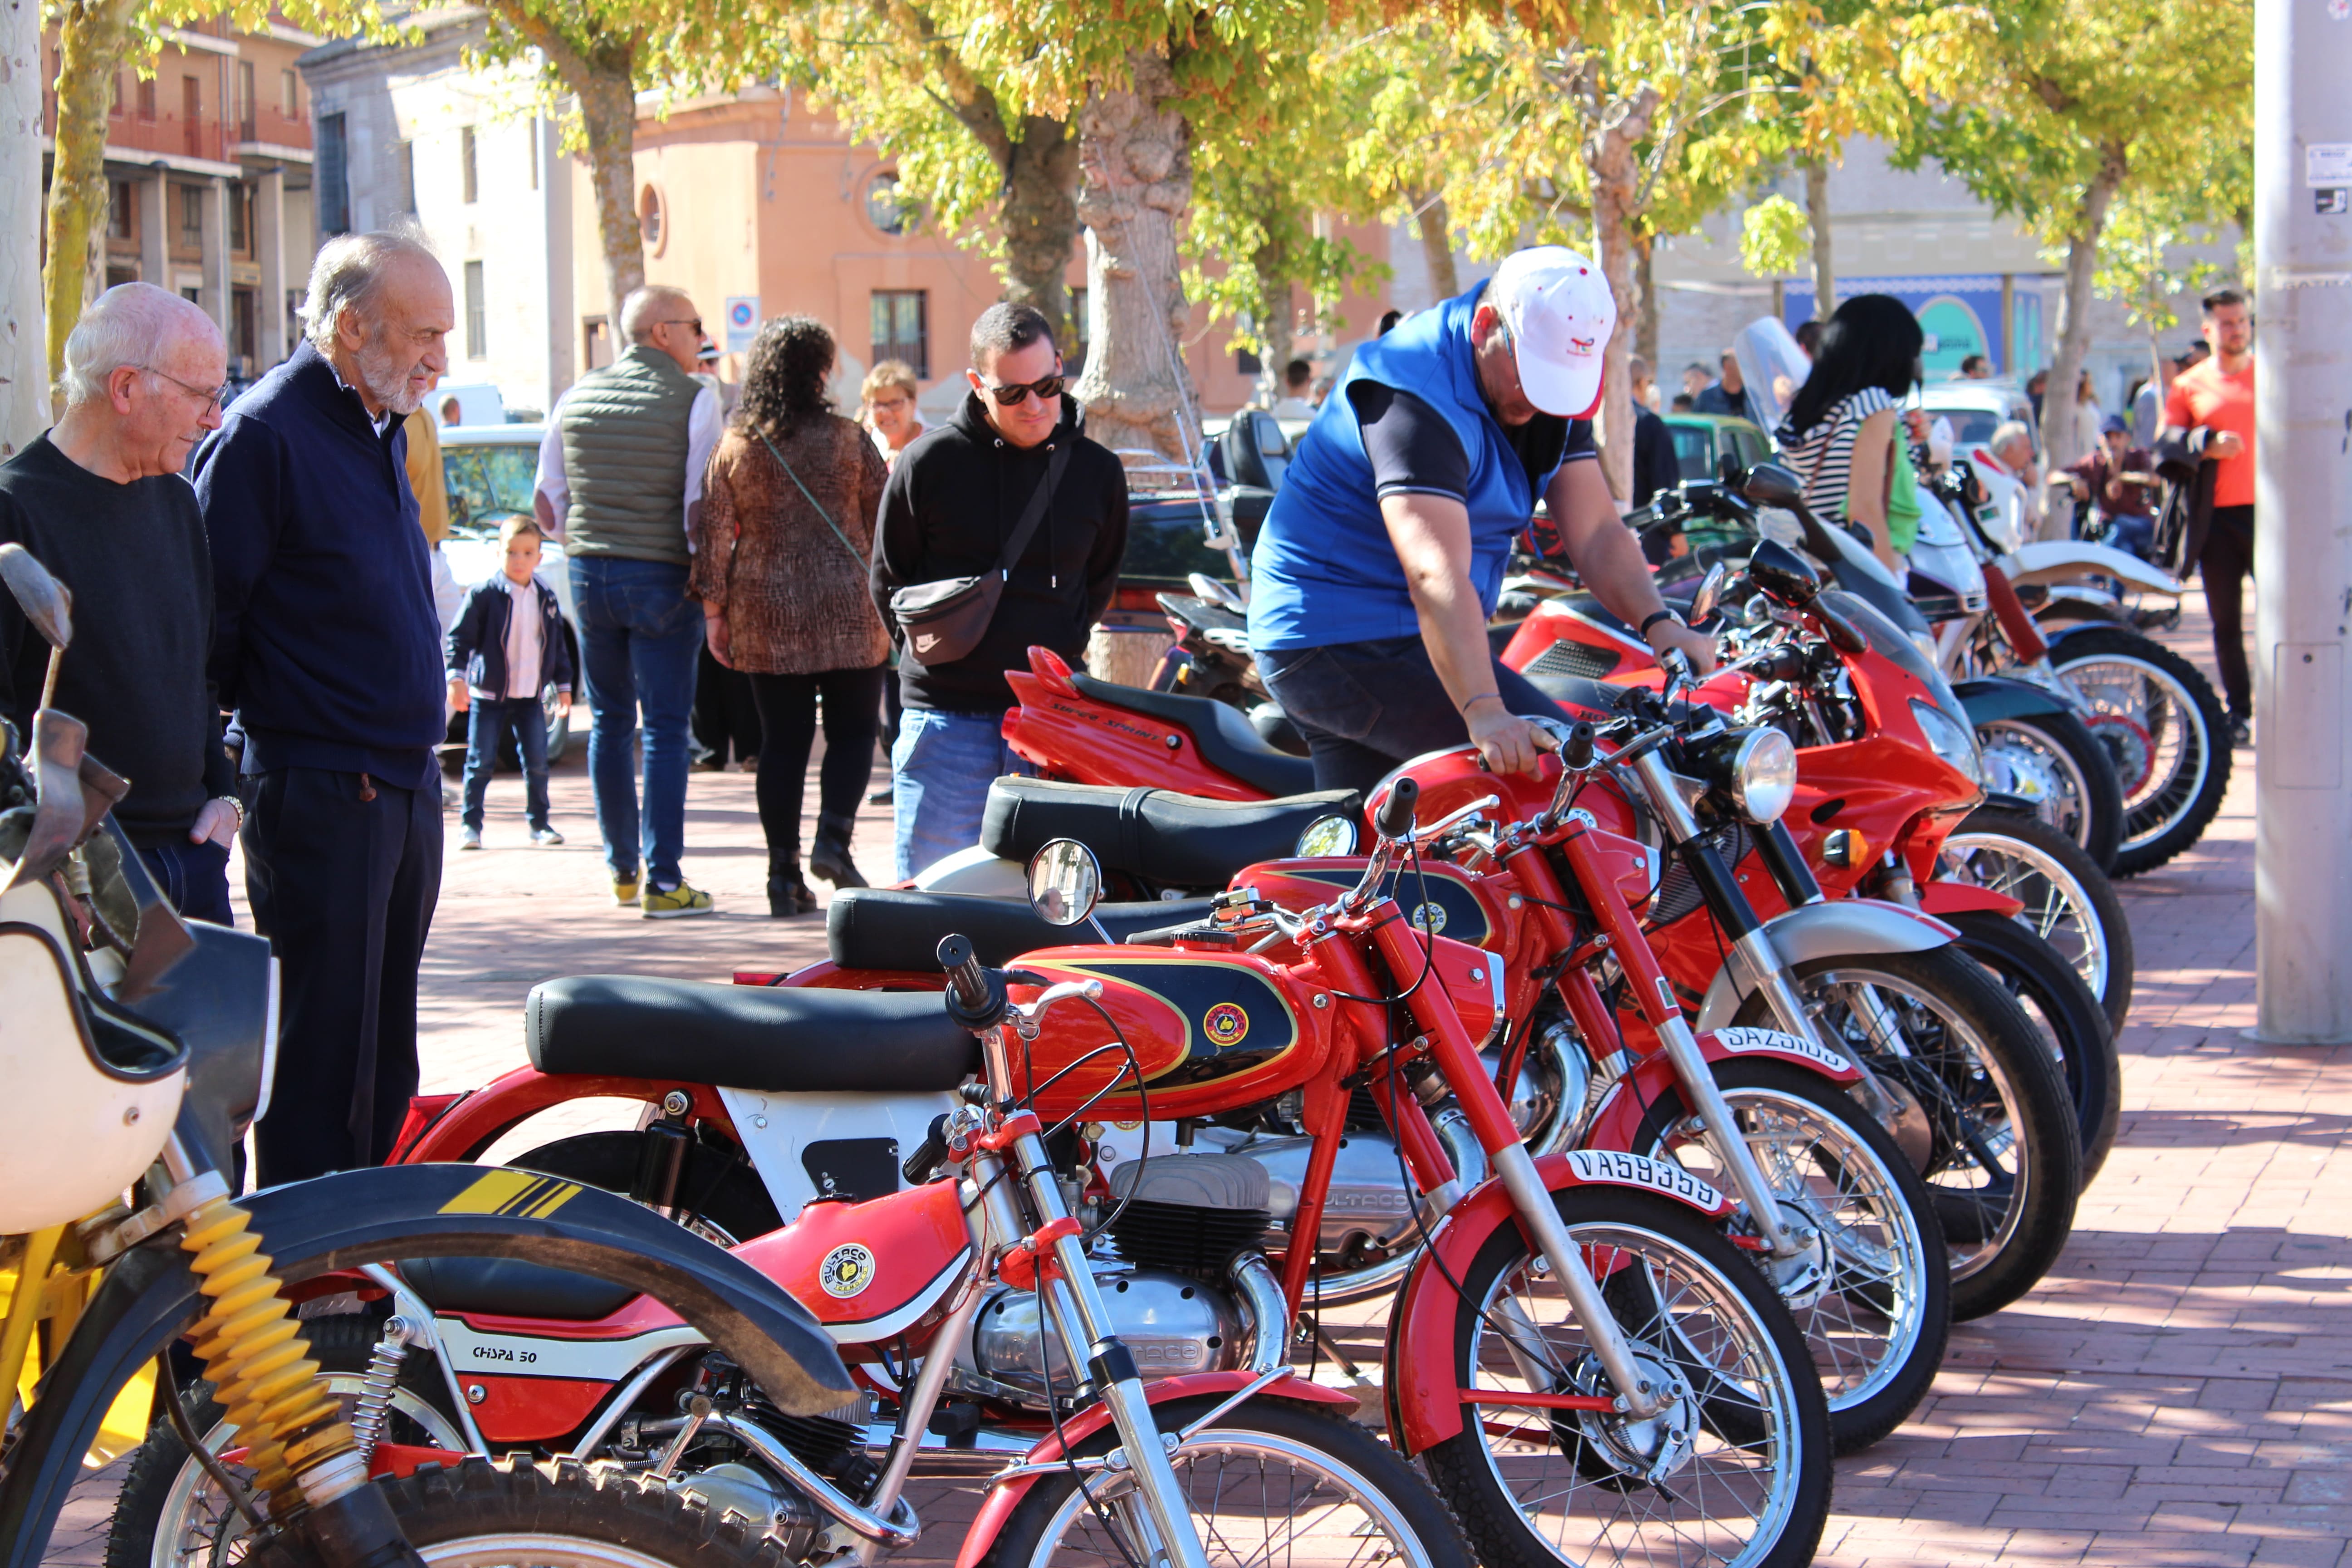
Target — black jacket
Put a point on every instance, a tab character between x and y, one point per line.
325	638
477	644
1655	467
952	500
2187	514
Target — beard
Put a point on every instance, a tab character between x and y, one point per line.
386	378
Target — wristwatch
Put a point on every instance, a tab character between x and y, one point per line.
1654	616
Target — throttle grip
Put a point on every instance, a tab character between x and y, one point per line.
1576	751
955	956
1395	818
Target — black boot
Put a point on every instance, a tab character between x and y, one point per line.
829	858
787	894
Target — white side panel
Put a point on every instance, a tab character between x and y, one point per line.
777	1129
977	872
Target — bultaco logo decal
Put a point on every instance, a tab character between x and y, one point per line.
1225	1023
847	1271
1233	1017
1428	916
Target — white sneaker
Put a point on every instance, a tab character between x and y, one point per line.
546	836
472	839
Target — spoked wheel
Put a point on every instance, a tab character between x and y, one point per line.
516	1514
1273	1484
2167	730
2069	902
2068	1015
1735	1468
1871	1289
2004	1165
170	1514
2054	761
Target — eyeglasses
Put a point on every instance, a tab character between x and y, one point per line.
696	323
1012	394
213	399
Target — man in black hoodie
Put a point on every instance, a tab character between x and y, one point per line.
953	501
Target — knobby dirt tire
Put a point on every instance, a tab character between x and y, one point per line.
2144	847
2033	971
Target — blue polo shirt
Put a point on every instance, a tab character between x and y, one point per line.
1408	416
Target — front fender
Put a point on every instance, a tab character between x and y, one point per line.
1826	930
1940	899
1997	697
381	1215
1001	1498
2057	560
1424	1407
1617	1123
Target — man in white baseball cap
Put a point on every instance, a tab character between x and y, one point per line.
1382	556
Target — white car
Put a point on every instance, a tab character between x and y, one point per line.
489	470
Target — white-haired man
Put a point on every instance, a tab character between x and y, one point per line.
328	646
620	478
100	500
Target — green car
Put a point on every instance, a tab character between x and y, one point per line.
1703	440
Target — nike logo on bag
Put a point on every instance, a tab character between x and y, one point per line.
925	644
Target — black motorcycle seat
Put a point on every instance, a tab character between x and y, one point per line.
1168	839
1221	733
506	1287
776	1039
890	927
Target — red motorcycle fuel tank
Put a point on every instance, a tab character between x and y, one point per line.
1438	898
869	1271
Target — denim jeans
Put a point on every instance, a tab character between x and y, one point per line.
1365	707
639	634
488	721
194	877
940	769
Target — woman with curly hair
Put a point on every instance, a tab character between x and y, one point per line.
781	549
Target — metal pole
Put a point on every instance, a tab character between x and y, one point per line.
2303	390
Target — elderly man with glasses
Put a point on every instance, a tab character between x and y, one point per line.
1011	482
100	500
620	480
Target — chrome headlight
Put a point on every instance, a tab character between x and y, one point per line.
1949	739
1764	775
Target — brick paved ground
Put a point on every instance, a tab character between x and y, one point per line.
2178	1392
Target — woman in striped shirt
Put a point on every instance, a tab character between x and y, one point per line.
1839	437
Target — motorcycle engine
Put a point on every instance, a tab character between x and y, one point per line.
1186	1218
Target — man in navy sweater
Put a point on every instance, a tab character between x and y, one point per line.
327	644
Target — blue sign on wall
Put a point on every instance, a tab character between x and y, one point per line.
1960	313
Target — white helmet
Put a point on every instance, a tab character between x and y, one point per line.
92	1092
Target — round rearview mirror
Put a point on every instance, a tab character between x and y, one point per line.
1065	883
47	603
1326	837
1710	589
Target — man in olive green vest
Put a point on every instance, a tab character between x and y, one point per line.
620	478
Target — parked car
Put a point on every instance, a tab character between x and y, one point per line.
1703	440
478	401
1975	409
489	470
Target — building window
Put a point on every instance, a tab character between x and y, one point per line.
240	226
192	112
245	327
114	109
597	341
478	315
652	220
246	110
192	218
287	91
408	178
147	98
333	196
883	208
121	201
902	328
468	171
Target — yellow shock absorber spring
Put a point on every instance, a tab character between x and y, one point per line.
260	1362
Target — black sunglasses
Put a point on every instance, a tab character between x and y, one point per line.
1014	394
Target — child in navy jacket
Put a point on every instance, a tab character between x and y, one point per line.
507	648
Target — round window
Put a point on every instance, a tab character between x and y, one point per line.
883	207
652	220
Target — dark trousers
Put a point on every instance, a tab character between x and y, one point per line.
343	888
194	877
490	720
788	717
1365	707
724	712
2227	562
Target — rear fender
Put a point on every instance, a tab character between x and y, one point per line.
1826	930
1004	1498
1942	899
462	1130
1617	1124
2056	560
1424	1407
381	1215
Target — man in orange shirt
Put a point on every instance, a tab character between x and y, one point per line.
2210	409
